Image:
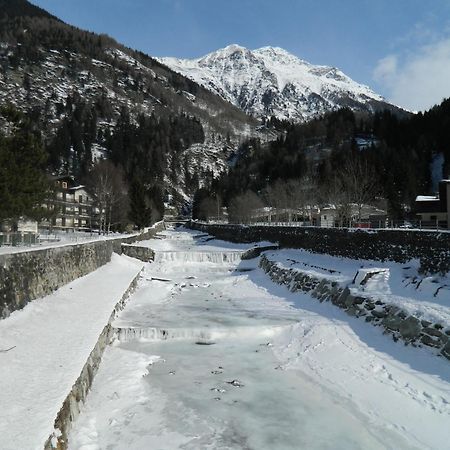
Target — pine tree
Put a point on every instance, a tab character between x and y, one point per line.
140	211
23	183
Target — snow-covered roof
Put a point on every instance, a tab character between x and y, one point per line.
77	188
427	198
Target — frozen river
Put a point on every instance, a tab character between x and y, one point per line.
211	355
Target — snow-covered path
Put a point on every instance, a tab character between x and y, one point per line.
213	355
44	347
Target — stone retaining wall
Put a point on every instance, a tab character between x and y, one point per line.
26	276
432	249
144	254
393	319
72	405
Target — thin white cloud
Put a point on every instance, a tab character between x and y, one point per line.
419	81
386	68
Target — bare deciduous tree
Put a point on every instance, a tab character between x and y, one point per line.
358	181
292	196
107	185
244	207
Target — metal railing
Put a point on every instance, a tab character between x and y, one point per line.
19	239
371	225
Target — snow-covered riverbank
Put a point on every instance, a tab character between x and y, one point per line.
44	347
213	355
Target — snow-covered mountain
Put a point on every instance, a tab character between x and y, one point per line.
270	81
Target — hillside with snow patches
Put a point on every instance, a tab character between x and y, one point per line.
270	81
48	67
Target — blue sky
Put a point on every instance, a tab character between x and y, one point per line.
400	48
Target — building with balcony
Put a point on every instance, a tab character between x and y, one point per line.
71	206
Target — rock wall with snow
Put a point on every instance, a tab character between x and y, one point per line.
392	318
77	396
29	275
432	249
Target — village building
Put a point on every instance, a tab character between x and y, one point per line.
71	205
365	216
434	210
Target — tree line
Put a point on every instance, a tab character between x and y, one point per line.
343	157
129	180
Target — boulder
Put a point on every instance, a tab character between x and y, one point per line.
392	322
410	328
427	340
432	332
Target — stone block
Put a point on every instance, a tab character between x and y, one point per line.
392	322
410	328
379	314
369	306
430	342
432	332
446	351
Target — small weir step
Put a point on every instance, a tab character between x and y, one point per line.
204	335
216	257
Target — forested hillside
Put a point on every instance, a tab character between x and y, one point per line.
92	98
398	154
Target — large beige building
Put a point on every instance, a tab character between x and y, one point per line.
72	206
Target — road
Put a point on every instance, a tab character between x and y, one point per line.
211	355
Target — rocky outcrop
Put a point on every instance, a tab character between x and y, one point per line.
395	321
432	249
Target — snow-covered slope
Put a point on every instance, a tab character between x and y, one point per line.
271	81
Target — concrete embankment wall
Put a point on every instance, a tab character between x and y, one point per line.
26	276
392	318
432	249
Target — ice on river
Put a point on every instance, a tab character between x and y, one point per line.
211	355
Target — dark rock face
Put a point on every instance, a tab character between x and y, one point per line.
431	248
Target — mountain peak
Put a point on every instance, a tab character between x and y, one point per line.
226	53
274	51
233	48
272	81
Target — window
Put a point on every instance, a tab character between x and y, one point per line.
80	198
64	185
